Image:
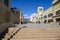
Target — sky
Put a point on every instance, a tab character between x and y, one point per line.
29	7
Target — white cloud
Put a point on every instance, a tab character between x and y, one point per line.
33	14
26	16
29	17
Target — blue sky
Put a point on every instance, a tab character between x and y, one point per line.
29	7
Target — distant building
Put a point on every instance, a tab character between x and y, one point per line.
40	10
26	21
21	17
33	18
40	14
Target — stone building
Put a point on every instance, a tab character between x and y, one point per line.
34	18
48	15
17	15
6	14
52	14
21	17
4	10
7	17
56	11
40	14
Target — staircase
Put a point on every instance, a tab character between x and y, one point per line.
37	34
10	33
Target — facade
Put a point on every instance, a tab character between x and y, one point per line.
56	11
52	14
17	17
8	17
21	17
6	14
4	10
48	16
33	18
40	14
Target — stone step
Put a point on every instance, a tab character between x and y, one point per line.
11	31
37	34
35	39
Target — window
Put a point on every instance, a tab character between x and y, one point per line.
58	19
45	21
45	16
50	20
6	2
41	17
58	12
51	14
40	9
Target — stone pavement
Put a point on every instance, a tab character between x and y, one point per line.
37	34
38	25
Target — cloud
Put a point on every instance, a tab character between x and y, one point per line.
29	17
33	14
26	16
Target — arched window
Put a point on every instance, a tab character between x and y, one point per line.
58	12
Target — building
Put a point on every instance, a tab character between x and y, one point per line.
26	21
4	10
21	17
7	17
48	16
17	12
40	14
56	12
6	14
52	14
33	18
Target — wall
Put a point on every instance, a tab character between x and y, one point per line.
6	14
55	8
46	12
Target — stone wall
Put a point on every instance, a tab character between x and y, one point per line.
7	15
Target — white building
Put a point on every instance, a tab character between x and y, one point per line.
40	14
33	18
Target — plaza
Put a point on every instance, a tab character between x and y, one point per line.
16	25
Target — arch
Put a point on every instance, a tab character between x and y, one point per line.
57	12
